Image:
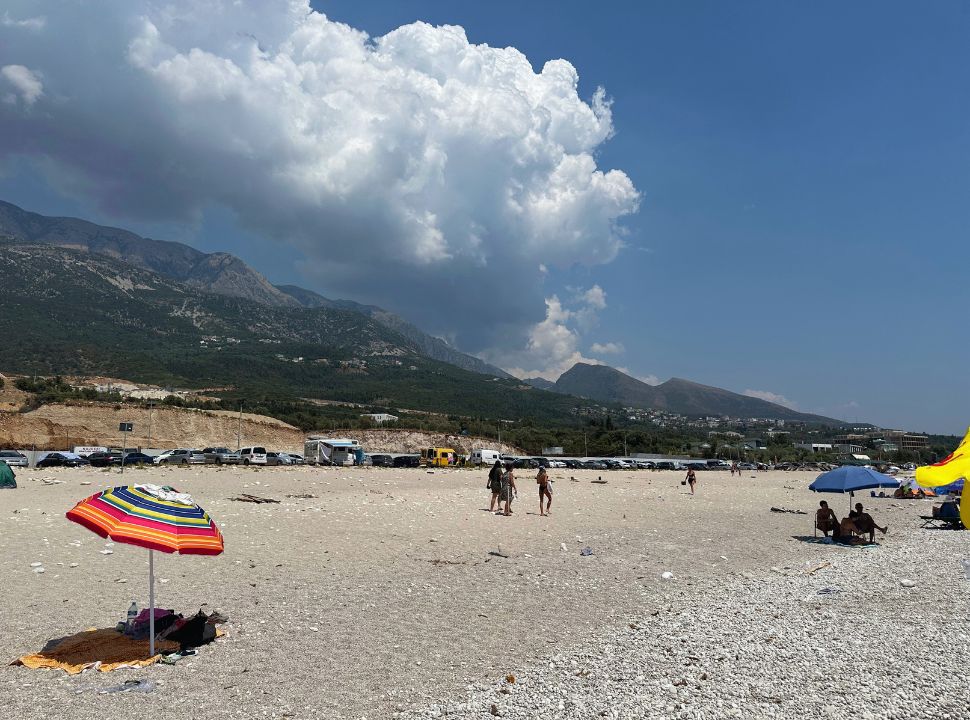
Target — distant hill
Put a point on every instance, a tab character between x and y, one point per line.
542	384
433	347
75	312
219	273
606	384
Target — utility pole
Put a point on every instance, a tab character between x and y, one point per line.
239	428
150	406
625	452
585	446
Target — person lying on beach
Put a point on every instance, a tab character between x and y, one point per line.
825	519
545	491
866	524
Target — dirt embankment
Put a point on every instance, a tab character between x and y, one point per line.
63	426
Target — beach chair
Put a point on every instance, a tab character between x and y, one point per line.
947	518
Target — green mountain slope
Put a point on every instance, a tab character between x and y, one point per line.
432	347
218	273
73	312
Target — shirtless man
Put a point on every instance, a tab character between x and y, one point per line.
866	524
544	491
825	519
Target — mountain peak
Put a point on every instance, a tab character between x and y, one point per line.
686	397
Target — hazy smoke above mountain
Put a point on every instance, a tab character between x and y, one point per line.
417	170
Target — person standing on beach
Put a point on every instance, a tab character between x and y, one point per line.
495	485
544	490
691	479
508	489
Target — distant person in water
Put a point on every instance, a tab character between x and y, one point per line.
495	485
545	491
691	479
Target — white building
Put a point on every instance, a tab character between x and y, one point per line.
381	418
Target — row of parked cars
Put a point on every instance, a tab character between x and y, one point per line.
180	456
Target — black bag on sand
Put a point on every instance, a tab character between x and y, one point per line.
192	634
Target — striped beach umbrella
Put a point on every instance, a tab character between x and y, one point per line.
152	517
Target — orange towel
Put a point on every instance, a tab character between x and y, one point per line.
107	649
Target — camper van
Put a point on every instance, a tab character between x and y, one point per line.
439	457
484	457
332	451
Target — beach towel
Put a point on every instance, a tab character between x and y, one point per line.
105	649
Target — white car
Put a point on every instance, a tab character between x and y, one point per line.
253	456
557	464
13	458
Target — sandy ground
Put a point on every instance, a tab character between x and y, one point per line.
379	593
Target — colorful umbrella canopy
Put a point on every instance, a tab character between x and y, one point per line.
138	515
153	517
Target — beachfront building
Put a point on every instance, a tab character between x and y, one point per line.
381	418
815	447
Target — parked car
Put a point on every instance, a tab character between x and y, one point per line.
179	456
253	455
56	459
138	458
295	458
557	464
13	458
526	463
541	461
278	458
220	456
747	466
104	458
381	460
406	461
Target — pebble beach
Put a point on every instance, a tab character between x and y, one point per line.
383	593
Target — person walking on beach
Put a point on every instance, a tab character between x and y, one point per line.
545	491
691	479
495	485
508	489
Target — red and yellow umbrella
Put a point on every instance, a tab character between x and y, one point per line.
152	517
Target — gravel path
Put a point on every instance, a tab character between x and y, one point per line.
851	639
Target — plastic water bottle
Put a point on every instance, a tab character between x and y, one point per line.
966	567
132	614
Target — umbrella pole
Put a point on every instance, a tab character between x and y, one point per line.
151	603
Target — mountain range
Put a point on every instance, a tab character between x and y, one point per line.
89	299
218	273
608	385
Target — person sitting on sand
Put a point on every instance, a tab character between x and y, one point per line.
545	491
825	519
495	485
866	524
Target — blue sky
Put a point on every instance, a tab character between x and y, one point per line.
803	180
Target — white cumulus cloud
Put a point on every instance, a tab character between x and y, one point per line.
417	170
609	348
24	81
771	397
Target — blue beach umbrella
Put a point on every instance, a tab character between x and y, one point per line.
849	478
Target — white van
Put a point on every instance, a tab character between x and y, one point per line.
253	455
484	457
